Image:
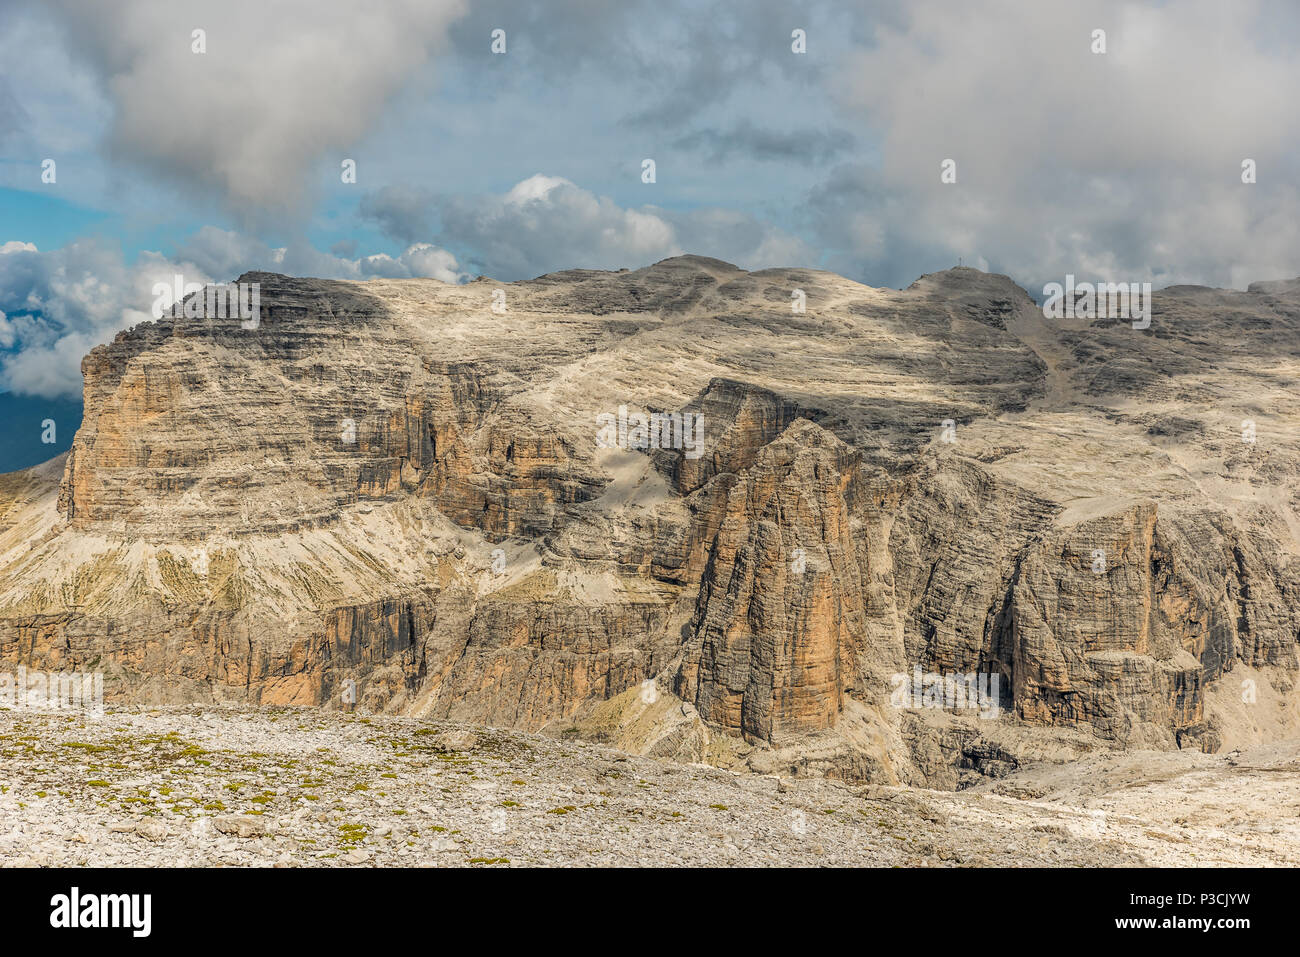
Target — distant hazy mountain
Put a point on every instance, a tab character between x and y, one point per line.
23	424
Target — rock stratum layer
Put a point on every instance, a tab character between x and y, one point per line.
388	492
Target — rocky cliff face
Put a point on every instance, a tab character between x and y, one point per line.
391	495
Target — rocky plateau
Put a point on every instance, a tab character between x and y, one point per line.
389	498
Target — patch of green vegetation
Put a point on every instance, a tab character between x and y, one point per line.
718	807
353	833
562	810
98	783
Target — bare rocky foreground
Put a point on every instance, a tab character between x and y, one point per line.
303	787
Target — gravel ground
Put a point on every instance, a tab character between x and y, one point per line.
223	787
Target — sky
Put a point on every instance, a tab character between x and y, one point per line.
782	133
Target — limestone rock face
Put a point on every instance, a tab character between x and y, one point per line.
779	615
389	496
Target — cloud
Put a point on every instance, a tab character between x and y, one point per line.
1124	165
737	237
281	93
12	116
226	254
705	54
60	304
752	142
425	259
547	223
678	57
402	212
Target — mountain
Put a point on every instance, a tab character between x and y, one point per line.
25	434
393	491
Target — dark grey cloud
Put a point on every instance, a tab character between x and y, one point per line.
406	213
861	227
675	58
13	117
550	40
748	141
718	50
